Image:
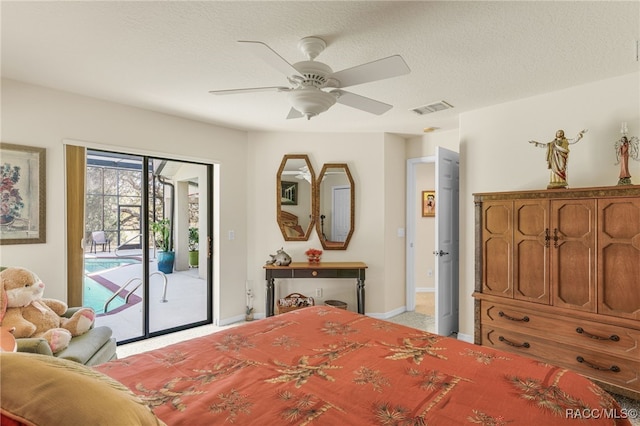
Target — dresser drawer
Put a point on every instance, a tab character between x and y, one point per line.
316	273
603	367
611	339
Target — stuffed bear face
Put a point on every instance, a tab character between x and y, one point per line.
22	287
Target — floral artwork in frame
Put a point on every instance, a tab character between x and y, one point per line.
428	203
22	192
289	195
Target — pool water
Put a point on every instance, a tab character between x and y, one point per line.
95	295
97	265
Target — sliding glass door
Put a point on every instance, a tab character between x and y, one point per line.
153	276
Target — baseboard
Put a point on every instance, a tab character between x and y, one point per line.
227	321
425	290
465	338
387	315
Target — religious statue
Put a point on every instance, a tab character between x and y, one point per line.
626	147
558	157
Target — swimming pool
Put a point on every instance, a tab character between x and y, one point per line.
95	294
101	264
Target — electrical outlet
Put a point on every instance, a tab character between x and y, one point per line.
318	292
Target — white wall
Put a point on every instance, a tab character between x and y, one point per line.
495	155
425	145
375	211
36	116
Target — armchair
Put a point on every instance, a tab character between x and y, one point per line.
99	238
94	347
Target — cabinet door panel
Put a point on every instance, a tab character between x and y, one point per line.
497	242
573	258
530	256
619	262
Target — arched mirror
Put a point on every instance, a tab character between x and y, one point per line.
336	201
295	196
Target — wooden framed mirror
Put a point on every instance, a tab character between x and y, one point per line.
296	182
335	206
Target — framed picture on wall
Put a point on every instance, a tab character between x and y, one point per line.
23	201
428	203
289	196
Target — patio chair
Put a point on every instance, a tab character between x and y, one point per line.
99	238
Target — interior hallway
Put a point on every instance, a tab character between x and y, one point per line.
425	303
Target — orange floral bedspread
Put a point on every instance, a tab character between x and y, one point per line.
327	366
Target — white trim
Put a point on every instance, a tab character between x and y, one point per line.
425	290
465	338
412	206
387	315
229	321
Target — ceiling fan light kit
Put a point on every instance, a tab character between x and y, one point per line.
309	78
310	101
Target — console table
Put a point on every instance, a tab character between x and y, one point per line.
319	270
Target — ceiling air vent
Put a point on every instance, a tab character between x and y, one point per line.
434	107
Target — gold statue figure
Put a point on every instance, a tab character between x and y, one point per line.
558	157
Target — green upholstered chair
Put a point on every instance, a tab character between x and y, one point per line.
94	347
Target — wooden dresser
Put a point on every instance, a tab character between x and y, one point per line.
558	279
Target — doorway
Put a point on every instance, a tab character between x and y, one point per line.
149	209
340	213
436	264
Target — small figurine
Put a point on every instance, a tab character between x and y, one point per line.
626	147
558	157
281	258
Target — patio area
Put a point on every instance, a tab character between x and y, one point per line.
175	299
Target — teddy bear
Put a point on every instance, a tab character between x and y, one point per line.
28	314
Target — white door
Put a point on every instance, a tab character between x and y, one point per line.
341	213
447	236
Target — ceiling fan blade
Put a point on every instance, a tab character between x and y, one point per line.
392	66
294	113
361	102
271	57
250	90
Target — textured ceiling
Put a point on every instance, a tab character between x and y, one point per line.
166	56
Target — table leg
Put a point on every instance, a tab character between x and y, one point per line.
270	296
361	296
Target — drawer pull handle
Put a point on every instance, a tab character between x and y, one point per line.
314	273
524	318
613	337
515	345
613	368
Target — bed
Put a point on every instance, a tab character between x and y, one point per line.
327	366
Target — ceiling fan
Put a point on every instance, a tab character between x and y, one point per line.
314	87
301	173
